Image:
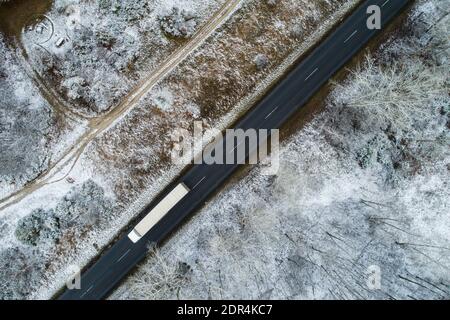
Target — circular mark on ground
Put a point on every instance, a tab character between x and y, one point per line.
39	29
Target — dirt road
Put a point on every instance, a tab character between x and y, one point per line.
100	124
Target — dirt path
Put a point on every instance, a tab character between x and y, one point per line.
98	125
58	104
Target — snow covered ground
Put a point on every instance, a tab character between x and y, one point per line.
94	52
348	165
61	46
32	134
363	191
81	201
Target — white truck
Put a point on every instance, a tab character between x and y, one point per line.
158	212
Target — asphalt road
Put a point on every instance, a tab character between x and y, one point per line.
280	104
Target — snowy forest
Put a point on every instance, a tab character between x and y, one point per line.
90	90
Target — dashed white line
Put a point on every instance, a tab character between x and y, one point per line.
271	112
310	75
199	182
385	3
351	36
123	256
87	291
